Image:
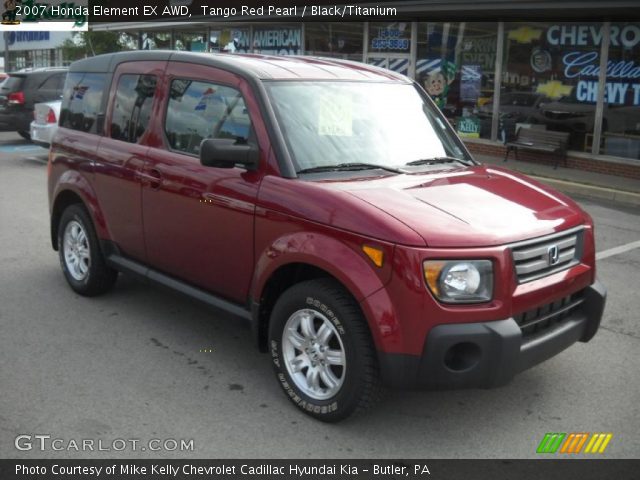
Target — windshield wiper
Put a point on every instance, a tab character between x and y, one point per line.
349	167
436	160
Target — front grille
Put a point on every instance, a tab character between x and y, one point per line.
541	257
547	316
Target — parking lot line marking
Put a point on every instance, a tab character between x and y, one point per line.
9	148
44	161
617	250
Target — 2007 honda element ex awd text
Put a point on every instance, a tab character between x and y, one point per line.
331	205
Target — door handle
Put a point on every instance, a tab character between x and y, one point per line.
153	177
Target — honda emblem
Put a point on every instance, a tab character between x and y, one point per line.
553	255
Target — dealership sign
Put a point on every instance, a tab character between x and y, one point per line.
623	84
627	36
468	127
278	41
564	61
19	40
587	64
19	37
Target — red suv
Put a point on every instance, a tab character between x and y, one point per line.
330	204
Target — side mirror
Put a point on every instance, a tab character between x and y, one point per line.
227	153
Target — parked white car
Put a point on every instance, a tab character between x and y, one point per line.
45	122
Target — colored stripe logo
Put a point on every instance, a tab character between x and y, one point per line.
598	443
551	442
574	443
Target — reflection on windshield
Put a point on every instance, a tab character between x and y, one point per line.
331	123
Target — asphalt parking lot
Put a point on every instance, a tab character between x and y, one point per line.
132	365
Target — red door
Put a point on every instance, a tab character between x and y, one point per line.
199	221
122	152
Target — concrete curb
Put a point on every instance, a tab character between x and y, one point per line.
592	191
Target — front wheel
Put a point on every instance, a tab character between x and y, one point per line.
322	351
81	258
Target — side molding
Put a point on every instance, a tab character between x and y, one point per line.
143	272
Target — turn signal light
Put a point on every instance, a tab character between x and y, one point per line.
375	255
431	273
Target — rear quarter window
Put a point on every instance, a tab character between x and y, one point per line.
12	84
82	105
53	82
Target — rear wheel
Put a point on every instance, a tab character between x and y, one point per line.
81	258
322	351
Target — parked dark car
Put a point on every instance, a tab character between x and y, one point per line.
359	238
519	106
22	90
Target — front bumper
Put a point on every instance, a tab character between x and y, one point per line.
489	354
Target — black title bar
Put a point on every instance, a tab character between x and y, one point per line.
548	469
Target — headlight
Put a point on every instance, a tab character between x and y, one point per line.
460	281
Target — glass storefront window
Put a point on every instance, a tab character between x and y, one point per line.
34	59
550	79
621	116
129	40
214	41
229	40
156	40
338	40
390	46
389	37
456	66
550	70
192	42
278	40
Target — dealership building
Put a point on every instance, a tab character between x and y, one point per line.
32	49
573	66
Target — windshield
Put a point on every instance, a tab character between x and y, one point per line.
334	123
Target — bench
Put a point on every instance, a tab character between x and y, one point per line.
539	140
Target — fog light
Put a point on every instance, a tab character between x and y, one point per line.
462	356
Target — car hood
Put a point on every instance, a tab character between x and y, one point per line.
469	207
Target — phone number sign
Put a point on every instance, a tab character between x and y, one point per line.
390	39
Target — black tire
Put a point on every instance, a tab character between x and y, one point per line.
25	135
361	386
98	278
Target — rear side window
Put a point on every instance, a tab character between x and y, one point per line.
132	107
54	82
12	84
82	101
199	110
